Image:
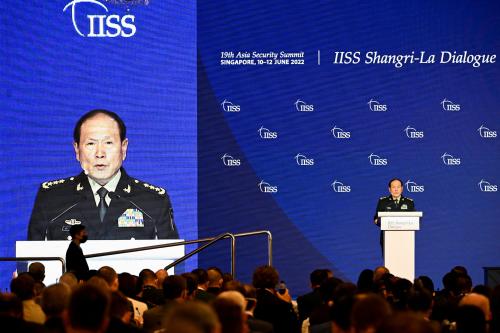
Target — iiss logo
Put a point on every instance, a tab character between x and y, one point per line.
230	161
339	133
302	160
267	188
450	160
412	133
101	24
302	106
376	160
229	106
486	133
376	106
267	134
449	105
413	187
486	186
340	187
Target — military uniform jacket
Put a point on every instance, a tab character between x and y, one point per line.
135	211
387	204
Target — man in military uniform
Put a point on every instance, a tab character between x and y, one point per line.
110	203
395	202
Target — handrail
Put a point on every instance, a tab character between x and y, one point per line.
201	240
63	262
201	248
269	242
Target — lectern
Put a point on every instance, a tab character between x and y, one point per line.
132	262
399	241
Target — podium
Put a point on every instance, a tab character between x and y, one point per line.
399	241
132	262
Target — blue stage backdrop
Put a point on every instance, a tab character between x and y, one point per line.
307	109
136	58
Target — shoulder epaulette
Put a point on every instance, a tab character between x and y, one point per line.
56	183
155	189
382	198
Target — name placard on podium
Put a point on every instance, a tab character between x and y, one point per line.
132	262
399	241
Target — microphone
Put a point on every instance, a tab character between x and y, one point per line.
62	213
114	195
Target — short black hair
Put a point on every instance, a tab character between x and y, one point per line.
173	286
75	229
78	127
265	277
318	276
393	179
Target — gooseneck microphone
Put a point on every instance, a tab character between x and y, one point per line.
62	213
114	195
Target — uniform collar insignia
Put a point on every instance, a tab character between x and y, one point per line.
127	189
79	187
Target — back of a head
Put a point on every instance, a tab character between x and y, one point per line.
69	279
470	319
109	275
23	286
147	276
10	305
201	275
127	284
318	276
89	308
37	271
365	280
214	278
406	322
478	300
198	316
340	312
174	287
379	272
229	309
419	300
265	277
368	312
55	299
191	282
327	288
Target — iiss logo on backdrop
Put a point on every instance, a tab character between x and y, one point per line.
339	133
450	160
340	187
450	106
413	187
228	106
99	22
230	161
486	133
412	133
376	106
376	160
302	160
486	186
267	134
265	187
302	106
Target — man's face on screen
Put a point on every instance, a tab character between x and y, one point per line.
396	188
100	150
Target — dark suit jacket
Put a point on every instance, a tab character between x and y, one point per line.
155	317
62	203
306	303
259	326
75	261
279	313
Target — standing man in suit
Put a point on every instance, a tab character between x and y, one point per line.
395	202
75	260
112	204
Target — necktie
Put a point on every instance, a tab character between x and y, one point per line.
102	203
